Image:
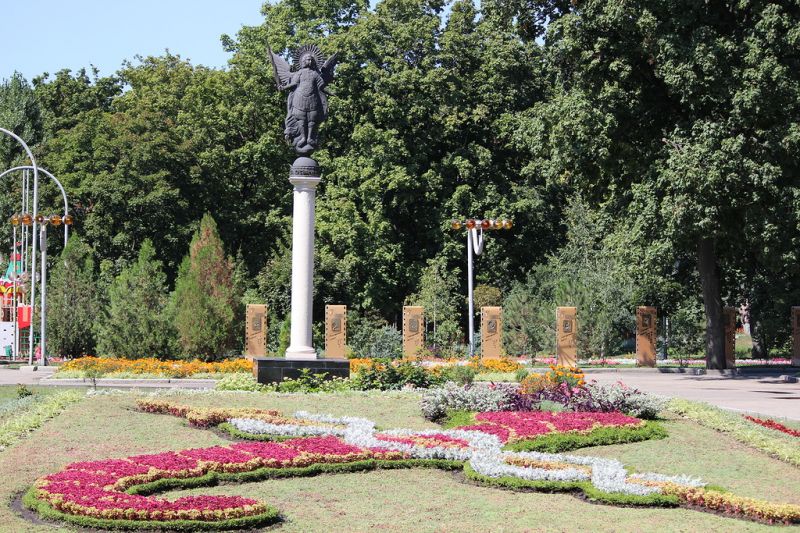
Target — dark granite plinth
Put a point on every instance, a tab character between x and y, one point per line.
276	369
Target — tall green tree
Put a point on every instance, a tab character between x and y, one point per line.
73	302
204	299
684	122
135	323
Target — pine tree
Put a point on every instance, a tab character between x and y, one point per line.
204	298
135	323
72	301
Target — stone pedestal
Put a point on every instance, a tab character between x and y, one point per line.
276	369
491	332
305	176
646	336
413	330
729	318
795	336
566	336
336	331
255	337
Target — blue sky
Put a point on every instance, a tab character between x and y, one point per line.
39	36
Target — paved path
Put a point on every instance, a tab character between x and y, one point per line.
23	377
767	395
41	377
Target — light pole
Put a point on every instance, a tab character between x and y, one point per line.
35	212
475	242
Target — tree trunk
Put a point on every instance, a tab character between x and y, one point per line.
759	349
712	301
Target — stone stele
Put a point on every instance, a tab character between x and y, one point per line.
413	330
255	336
491	332
335	331
646	336
566	336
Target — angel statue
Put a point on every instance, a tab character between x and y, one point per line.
307	104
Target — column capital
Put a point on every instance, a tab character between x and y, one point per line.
305	183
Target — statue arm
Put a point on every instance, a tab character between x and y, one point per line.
292	82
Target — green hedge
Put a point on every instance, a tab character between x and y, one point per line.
592	494
602	436
232	431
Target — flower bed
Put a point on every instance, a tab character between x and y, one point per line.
771	424
510	426
755	435
118	492
151	366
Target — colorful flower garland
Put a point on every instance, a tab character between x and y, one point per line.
110	493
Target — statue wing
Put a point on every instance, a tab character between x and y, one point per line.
327	68
280	69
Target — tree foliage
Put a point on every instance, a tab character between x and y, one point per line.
675	122
205	302
73	302
135	322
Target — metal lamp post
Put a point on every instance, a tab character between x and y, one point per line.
475	242
35	212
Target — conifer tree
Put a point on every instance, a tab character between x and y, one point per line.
72	301
204	298
135	323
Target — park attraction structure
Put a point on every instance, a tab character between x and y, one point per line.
18	285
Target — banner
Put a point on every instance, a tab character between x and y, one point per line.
24	316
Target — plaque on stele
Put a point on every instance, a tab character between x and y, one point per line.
729	318
796	336
335	331
646	336
491	332
413	330
255	336
566	340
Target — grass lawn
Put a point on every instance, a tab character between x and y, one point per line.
402	500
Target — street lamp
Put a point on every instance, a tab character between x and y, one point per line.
475	228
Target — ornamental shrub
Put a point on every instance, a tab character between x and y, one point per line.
240	381
387	376
438	401
602	398
459	374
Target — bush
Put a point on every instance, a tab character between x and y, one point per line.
387	376
602	398
521	374
382	343
436	403
459	374
242	381
617	397
308	382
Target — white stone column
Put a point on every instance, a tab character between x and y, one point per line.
305	176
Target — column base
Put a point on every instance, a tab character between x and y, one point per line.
301	352
276	370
